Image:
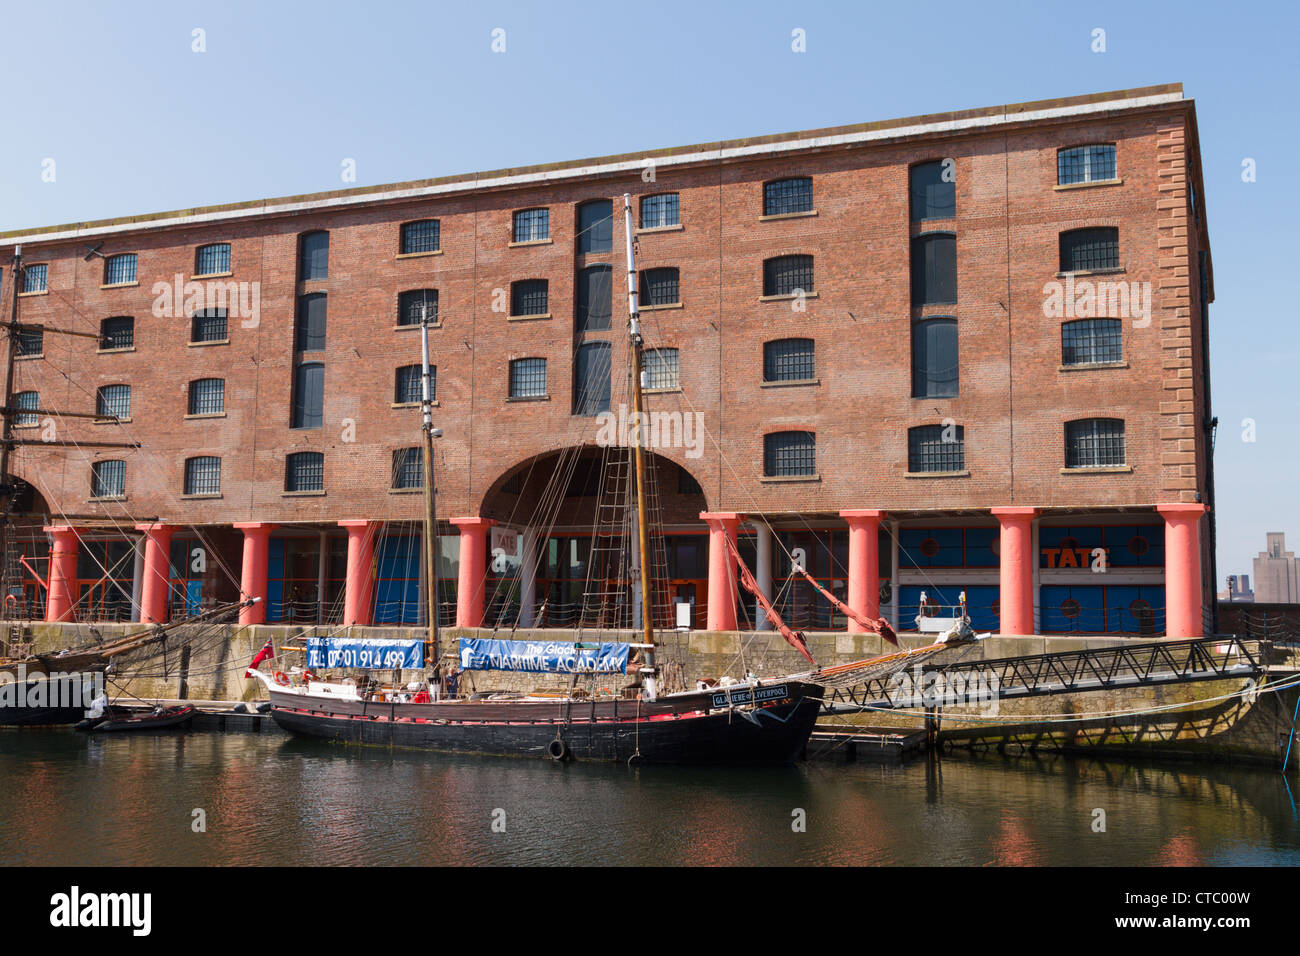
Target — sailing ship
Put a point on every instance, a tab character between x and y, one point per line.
752	721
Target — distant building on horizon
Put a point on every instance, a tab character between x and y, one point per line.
1277	573
1239	591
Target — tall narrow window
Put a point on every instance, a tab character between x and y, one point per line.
407	386
660	211
1094	443
786	196
212	260
208	325
787	275
532	225
1090	250
595	226
27	400
594	298
789	360
528	378
934	191
108	479
207	396
1085	164
304	471
591	379
408	468
34	278
661	368
117	333
1092	342
412	306
422	236
936	448
314	256
660	287
934	358
31	342
789	454
309	335
934	269
113	401
308	396
203	475
120	269
528	297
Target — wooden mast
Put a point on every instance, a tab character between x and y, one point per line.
430	499
634	333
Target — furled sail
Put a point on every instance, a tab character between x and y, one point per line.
793	638
877	625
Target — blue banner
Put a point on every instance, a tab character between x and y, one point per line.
546	657
377	654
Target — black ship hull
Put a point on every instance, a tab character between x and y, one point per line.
42	701
774	733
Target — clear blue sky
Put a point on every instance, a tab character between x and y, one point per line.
136	122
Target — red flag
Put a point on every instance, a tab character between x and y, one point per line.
263	654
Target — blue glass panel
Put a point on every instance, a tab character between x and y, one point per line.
1142	546
275	581
979	547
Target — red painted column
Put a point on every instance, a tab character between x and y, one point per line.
156	585
722	570
864	563
1016	560
358	590
1183	601
61	586
471	583
253	573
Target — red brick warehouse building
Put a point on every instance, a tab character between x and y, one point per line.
959	351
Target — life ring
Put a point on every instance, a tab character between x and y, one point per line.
309	676
557	750
281	678
11	601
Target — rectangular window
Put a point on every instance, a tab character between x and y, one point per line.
207	396
1090	250
659	211
594	298
408	468
209	325
789	454
423	236
936	448
591	379
1085	164
789	360
1094	443
934	269
120	270
34	278
595	227
212	260
310	334
934	191
314	257
660	287
308	396
787	196
203	475
787	275
529	297
661	368
305	471
934	358
31	400
113	401
117	333
108	479
407	387
415	305
1092	342
31	341
532	225
528	378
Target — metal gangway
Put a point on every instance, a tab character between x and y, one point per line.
1119	666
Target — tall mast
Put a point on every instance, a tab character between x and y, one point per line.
634	333
430	493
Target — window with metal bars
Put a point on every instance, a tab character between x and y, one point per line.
1090	250
1092	341
532	225
309	335
528	297
661	368
304	471
212	259
591	379
120	269
1094	443
595	226
113	401
934	269
1085	164
789	360
108	479
34	278
528	378
932	196
787	275
661	210
207	396
789	454
660	286
408	468
595	298
934	358
314	256
936	448
422	236
413	305
31	341
208	325
30	400
308	396
117	333
203	475
407	387
785	196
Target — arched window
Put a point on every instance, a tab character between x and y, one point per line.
26	400
936	448
120	269
1085	164
108	479
308	396
117	333
207	396
304	471
934	190
528	378
415	304
591	379
934	269
660	211
212	260
310	327
789	360
595	226
934	358
1090	250
313	256
789	454
1092	342
1094	443
594	299
661	368
113	401
408	468
422	236
783	197
529	297
787	275
660	286
408	388
532	225
203	475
